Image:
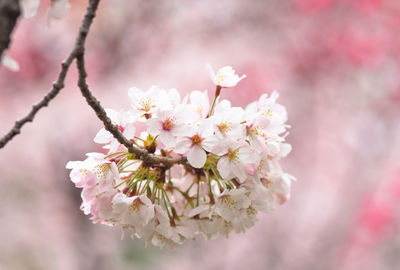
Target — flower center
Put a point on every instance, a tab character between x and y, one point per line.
84	172
135	206
121	128
101	170
146	102
225	127
220	78
169	123
228	201
196	139
233	155
267	113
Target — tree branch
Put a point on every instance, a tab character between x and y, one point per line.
142	154
9	13
78	54
59	84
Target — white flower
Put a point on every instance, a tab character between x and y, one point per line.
227	121
164	234
136	211
195	144
200	103
170	99
144	103
229	204
124	122
225	76
234	158
94	170
275	113
167	125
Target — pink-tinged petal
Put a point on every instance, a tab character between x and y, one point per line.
103	136
154	126
255	143
246	155
224	167
183	146
197	156
145	200
181	130
239	171
167	139
129	131
198	210
209	143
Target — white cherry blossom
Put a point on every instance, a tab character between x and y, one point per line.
124	122
225	76
196	143
167	125
232	171
234	157
144	103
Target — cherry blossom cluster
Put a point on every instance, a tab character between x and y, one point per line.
232	170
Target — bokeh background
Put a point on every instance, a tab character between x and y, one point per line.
336	65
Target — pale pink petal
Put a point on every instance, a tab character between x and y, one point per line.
154	126
209	143
223	167
197	156
103	136
167	139
183	146
239	171
129	131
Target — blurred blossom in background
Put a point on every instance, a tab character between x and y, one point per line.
336	66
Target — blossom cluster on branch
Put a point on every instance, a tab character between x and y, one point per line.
232	170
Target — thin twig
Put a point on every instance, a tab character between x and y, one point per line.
59	84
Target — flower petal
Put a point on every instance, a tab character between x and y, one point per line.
183	146
223	167
103	136
167	139
197	156
154	126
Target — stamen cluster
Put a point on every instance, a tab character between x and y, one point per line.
232	170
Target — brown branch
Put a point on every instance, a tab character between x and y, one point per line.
9	13
59	84
78	54
142	154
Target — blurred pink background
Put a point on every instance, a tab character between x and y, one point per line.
336	66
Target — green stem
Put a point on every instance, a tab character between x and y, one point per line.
165	203
217	92
115	154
